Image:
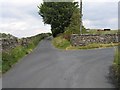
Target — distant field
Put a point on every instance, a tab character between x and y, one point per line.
94	31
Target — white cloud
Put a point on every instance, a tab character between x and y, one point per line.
20	17
113	20
101	24
25	28
100	15
20	2
87	23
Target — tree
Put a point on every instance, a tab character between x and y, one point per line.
57	14
74	26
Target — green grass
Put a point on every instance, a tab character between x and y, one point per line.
116	66
117	57
60	42
13	56
92	46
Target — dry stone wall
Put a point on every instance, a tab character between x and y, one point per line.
85	39
8	43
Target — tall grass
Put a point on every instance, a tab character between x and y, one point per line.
60	42
116	66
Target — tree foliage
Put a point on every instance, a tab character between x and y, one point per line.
74	27
57	14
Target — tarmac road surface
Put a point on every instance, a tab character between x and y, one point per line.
48	67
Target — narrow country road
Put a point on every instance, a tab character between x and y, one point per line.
48	67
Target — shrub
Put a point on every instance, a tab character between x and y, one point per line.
67	36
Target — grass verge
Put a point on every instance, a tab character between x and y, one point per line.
116	67
60	42
12	56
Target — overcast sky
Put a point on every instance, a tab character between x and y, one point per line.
20	17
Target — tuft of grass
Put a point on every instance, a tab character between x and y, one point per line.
117	57
92	46
60	42
11	57
116	67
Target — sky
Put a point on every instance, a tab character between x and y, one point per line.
20	17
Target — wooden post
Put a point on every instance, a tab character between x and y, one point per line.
80	16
